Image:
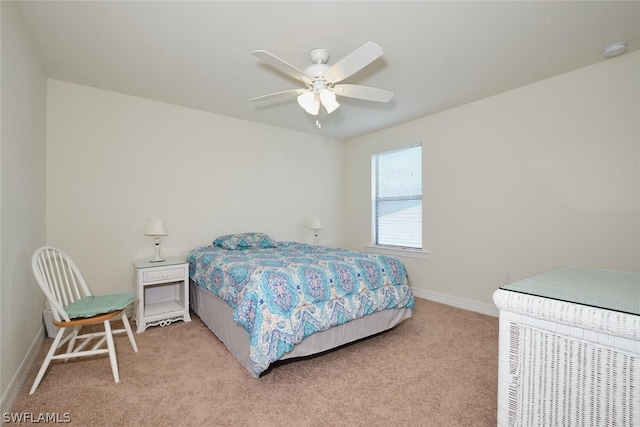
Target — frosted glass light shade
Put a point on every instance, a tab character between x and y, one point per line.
309	102
328	99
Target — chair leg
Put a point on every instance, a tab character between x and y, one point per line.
72	342
47	360
112	350
127	326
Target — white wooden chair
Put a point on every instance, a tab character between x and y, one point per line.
73	306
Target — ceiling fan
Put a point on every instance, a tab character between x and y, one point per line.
321	79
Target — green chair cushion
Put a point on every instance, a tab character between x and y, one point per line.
99	304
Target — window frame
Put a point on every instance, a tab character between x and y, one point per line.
383	248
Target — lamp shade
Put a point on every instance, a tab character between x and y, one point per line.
328	99
156	227
309	102
316	224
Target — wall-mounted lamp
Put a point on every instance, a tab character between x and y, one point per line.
315	226
156	228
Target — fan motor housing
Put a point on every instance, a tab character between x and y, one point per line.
316	70
319	56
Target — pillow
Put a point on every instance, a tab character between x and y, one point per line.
241	241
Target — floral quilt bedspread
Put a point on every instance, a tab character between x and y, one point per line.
282	295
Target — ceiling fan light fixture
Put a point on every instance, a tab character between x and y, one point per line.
309	102
328	99
321	79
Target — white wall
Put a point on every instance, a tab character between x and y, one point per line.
114	161
526	181
22	201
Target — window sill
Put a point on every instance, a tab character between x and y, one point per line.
409	253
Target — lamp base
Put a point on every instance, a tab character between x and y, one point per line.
156	257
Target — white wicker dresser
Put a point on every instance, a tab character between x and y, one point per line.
569	352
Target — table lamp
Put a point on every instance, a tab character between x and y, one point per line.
156	228
315	226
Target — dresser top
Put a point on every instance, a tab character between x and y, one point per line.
166	262
607	289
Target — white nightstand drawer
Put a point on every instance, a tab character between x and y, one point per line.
154	276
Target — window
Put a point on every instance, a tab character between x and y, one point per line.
397	198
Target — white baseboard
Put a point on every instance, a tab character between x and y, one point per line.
464	303
20	377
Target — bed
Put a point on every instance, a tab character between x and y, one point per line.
269	301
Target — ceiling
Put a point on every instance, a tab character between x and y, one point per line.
437	55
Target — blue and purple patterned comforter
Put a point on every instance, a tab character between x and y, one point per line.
282	295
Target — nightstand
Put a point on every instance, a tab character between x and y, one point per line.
163	292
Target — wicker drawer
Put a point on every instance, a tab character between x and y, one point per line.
163	275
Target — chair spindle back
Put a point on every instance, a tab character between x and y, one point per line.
59	278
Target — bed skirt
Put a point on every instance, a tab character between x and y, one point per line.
218	316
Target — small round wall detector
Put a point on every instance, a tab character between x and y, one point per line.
614	49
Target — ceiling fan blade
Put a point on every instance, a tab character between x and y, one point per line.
363	92
279	94
354	62
281	65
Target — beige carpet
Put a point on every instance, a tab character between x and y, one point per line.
438	368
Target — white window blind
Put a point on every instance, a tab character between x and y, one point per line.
397	197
